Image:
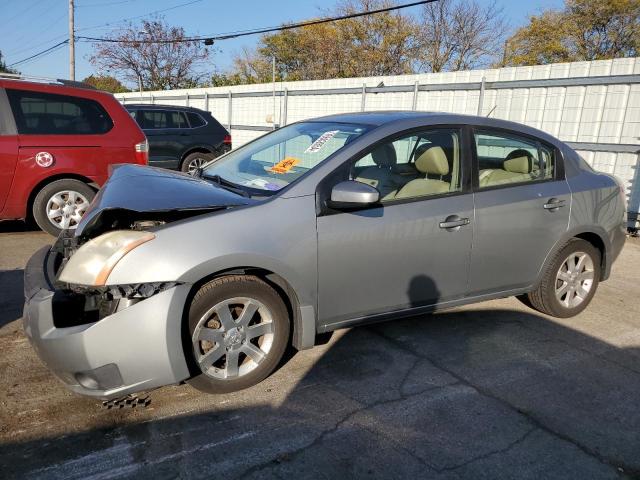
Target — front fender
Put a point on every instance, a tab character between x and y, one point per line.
278	235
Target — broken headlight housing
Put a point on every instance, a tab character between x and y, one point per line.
92	263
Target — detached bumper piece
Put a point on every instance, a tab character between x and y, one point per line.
128	401
105	344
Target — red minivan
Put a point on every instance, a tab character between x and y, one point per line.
57	140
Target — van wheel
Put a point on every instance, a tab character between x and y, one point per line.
195	160
569	282
238	332
60	205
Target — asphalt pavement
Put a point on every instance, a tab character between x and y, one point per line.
493	390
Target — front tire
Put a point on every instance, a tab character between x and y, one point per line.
238	332
60	205
569	282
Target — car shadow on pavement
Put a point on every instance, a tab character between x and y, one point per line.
12	226
482	393
12	295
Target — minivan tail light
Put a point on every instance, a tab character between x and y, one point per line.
227	140
142	152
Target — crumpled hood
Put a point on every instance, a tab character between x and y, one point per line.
141	189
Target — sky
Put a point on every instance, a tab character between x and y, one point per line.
30	26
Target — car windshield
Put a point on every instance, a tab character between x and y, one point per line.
278	159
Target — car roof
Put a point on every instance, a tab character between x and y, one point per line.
379	118
156	106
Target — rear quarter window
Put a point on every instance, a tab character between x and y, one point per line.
39	113
195	120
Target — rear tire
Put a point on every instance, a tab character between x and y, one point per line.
238	332
195	160
569	282
60	205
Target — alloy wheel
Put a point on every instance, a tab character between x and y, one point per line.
195	164
574	279
65	209
233	337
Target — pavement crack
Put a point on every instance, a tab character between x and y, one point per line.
493	452
528	415
292	454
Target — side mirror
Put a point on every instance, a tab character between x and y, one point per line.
352	194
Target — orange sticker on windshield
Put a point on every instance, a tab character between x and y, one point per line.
283	166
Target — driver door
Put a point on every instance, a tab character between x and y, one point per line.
412	249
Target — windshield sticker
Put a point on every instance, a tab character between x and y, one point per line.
319	143
284	165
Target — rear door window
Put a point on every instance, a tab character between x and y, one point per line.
156	119
51	114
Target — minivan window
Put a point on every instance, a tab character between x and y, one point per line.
153	119
195	120
506	158
51	114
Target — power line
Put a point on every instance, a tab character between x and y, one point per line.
48	50
57	45
290	26
138	16
225	36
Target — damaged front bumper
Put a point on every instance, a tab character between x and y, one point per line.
128	350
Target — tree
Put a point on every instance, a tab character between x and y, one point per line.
106	83
380	44
170	63
459	35
583	30
4	68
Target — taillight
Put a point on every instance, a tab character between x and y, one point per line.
227	140
142	152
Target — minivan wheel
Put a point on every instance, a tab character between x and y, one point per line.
569	282
195	160
61	204
238	331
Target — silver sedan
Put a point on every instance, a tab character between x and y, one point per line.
320	225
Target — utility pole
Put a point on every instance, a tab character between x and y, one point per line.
72	43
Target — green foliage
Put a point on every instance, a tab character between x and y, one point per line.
4	68
106	83
583	30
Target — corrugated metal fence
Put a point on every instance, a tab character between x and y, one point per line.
593	106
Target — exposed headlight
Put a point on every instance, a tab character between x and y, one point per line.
93	262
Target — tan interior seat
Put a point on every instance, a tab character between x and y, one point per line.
432	161
517	167
382	176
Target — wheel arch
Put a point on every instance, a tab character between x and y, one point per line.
303	323
46	181
595	236
597	241
201	148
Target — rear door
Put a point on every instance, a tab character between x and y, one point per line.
167	131
8	148
522	204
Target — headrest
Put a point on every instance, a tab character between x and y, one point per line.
384	156
431	159
519	161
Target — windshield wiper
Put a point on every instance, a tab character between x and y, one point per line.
226	184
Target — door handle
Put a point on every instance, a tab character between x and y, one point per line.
553	204
454	222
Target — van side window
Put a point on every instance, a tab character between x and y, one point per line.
50	114
505	159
